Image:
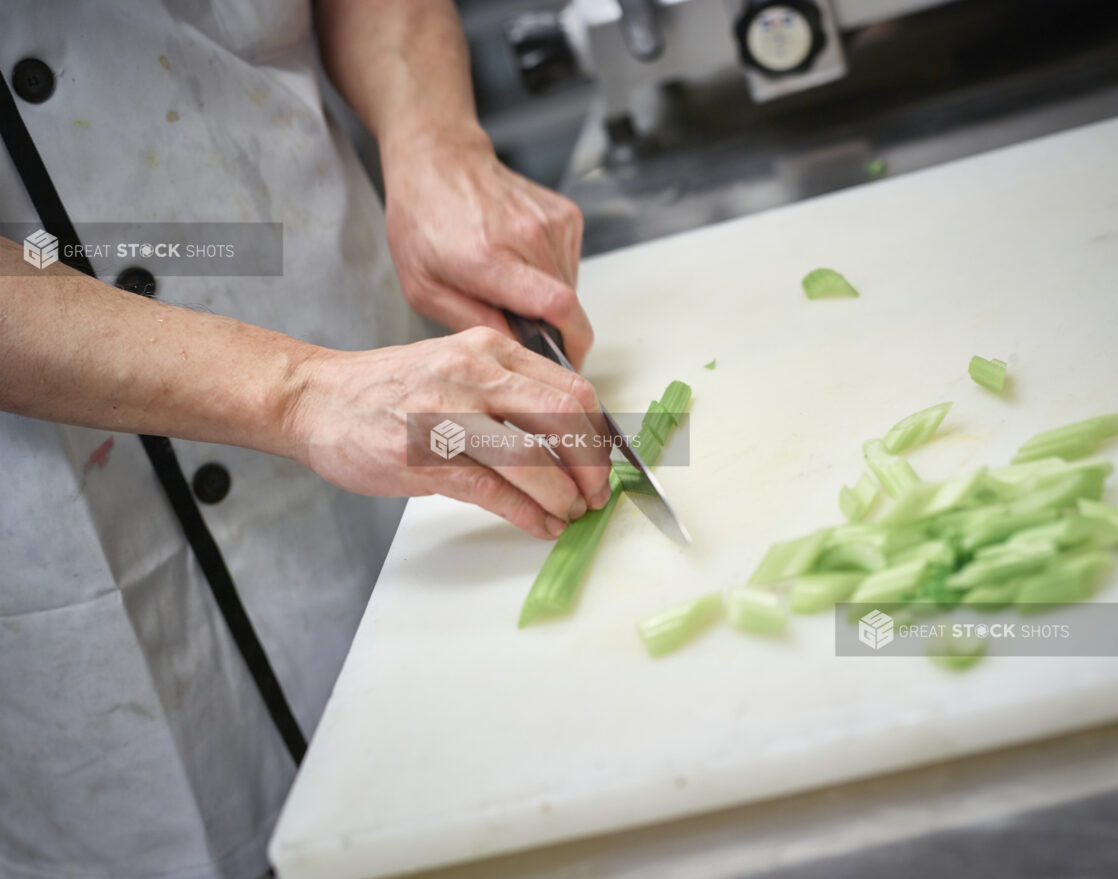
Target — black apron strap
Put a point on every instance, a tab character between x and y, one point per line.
56	221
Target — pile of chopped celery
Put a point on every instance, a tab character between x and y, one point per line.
1032	534
557	583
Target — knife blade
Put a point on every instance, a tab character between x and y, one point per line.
647	494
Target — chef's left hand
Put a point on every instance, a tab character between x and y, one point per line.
469	237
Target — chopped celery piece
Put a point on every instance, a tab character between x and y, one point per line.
658	421
1024	481
558	580
675	400
988	373
851	556
916	429
671	629
827	283
893	472
994	563
1072	531
554	588
856	502
923	500
937	553
997	522
1070	441
1098	510
711	365
876	168
1063	491
891	585
755	610
790	558
956	654
1060	585
992	597
816	592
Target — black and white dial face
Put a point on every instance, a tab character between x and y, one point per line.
780	38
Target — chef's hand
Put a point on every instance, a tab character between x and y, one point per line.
352	420
469	237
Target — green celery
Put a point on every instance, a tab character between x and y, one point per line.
671	629
658	421
789	558
923	500
1059	492
812	593
891	585
937	553
988	373
1070	441
675	400
856	502
916	429
997	522
711	365
562	573
554	588
994	563
853	555
755	610
1098	510
1072	531
893	472
827	283
994	596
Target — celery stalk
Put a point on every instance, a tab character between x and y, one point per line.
817	592
892	584
789	558
755	610
1070	441
994	563
988	373
1098	510
893	472
956	654
827	283
563	571
658	421
671	629
916	429
856	502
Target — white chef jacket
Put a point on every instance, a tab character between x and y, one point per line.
133	741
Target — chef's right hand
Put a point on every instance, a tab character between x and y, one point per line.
351	420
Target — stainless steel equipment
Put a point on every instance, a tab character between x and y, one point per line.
781	46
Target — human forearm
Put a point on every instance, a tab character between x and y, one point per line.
77	351
404	67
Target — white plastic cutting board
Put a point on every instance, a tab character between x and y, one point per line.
451	735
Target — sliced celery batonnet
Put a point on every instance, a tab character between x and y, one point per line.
565	567
994	563
856	502
711	366
916	429
1070	441
893	472
789	558
827	284
892	584
755	610
671	629
1097	510
988	373
813	593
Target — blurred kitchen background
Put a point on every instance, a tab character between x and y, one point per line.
658	116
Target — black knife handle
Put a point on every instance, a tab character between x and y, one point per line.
530	330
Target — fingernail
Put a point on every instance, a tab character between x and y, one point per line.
577	509
555	526
599	500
